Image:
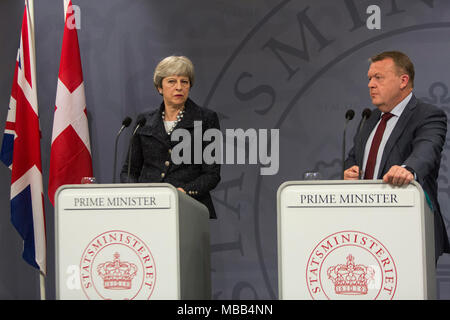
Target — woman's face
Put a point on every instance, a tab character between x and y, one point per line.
175	90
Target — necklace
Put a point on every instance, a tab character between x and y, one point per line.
179	117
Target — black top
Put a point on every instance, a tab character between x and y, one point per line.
151	155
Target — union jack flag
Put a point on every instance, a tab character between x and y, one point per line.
21	151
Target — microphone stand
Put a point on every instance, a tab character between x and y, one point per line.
125	123
140	123
348	116
365	115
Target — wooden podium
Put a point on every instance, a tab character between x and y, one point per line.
354	240
131	241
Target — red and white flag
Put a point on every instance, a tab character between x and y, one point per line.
21	150
70	157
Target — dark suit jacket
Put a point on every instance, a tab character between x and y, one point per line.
151	155
416	141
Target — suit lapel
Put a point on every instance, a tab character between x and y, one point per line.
156	128
400	126
190	115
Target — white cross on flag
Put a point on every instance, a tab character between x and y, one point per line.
70	157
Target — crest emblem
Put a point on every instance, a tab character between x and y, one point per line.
351	265
117	265
117	275
350	278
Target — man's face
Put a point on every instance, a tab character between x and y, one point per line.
386	84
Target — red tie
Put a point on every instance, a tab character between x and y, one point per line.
372	159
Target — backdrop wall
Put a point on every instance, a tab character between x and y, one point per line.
292	65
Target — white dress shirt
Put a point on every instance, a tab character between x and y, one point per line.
397	111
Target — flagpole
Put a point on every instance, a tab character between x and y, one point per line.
42	285
65	3
30	5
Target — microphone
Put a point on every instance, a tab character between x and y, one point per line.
364	116
125	123
348	116
140	123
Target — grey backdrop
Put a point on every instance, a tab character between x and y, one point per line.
293	65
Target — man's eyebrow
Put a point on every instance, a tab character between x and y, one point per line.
373	75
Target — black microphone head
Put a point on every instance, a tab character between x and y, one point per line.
366	113
141	122
349	114
126	122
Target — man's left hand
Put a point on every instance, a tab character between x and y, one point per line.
398	176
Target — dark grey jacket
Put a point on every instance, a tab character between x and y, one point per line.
416	142
151	155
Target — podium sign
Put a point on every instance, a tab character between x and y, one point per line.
354	240
130	241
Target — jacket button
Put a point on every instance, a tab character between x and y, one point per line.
167	163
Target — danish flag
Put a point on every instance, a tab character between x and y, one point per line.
21	151
70	156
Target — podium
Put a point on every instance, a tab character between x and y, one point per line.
131	241
354	240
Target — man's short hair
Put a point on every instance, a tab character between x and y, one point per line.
401	60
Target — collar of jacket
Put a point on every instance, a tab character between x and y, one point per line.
155	125
401	125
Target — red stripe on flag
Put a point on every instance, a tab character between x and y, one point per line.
10	125
70	72
27	145
26	66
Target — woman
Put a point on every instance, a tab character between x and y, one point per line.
151	147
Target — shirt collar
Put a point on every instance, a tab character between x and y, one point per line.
398	109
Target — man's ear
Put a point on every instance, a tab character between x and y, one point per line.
405	81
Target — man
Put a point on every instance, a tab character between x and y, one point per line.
403	138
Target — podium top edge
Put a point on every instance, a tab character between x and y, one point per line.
114	185
338	182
